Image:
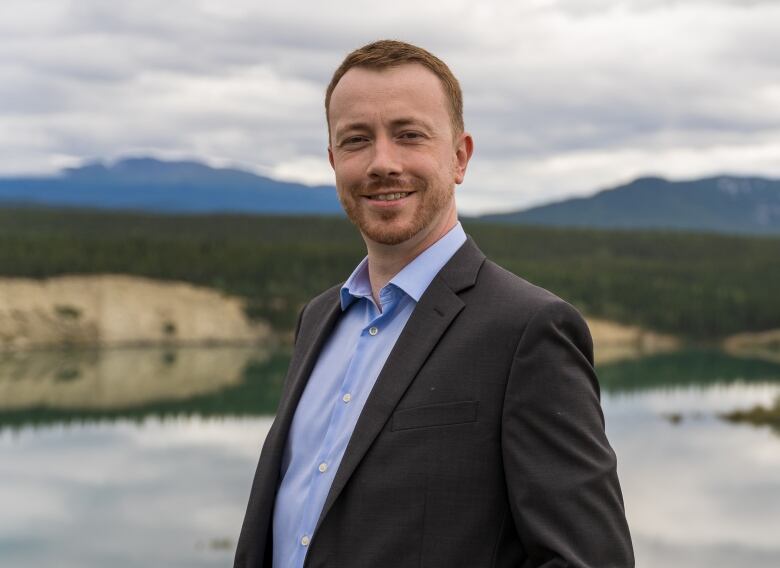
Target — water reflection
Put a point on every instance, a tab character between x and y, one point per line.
62	386
115	384
126	494
699	492
155	460
685	369
117	378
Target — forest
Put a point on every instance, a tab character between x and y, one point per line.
701	286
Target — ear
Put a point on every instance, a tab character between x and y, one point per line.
330	157
464	148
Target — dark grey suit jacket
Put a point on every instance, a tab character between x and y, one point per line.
481	444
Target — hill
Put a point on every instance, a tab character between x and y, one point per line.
727	204
147	184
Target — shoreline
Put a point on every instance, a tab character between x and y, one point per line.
109	311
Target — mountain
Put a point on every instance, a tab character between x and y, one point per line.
722	204
147	184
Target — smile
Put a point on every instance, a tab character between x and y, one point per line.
388	196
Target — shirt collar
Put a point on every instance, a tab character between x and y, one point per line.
414	278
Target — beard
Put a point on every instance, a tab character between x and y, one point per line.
387	227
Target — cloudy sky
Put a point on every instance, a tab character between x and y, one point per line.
563	97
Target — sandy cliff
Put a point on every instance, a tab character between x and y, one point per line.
759	345
613	341
113	310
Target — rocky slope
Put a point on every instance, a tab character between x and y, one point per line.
759	345
116	310
614	341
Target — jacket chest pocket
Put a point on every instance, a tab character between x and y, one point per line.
430	415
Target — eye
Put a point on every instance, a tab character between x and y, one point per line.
353	141
411	135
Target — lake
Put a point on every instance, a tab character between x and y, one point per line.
144	457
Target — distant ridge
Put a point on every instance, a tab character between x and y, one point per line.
148	184
725	204
728	204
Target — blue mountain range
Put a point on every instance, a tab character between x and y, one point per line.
730	204
147	184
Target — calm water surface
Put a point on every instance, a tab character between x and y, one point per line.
144	457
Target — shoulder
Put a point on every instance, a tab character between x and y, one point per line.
324	299
524	310
316	308
499	281
519	297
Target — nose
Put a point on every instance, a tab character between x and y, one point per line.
385	161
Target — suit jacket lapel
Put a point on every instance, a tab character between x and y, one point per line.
261	504
438	307
311	339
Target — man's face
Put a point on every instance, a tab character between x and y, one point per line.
394	154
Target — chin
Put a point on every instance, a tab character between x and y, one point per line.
388	235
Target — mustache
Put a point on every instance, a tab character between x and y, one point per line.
378	184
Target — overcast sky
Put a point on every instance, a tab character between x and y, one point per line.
563	97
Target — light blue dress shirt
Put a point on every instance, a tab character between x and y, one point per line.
336	392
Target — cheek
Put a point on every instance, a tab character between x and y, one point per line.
348	170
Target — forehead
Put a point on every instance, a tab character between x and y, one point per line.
405	89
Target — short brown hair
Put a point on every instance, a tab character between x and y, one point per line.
390	53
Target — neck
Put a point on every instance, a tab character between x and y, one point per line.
385	261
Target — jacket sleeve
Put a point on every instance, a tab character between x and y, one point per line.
559	467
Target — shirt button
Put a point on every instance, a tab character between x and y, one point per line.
373	330
347	397
305	540
323	467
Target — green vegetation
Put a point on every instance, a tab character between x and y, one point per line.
758	416
67	312
696	367
702	286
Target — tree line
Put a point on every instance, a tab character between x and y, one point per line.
698	285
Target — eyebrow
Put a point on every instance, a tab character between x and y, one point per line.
406	121
398	122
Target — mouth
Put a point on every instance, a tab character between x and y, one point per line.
389	196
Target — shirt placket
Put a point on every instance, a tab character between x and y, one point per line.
341	410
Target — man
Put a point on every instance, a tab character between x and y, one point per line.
438	411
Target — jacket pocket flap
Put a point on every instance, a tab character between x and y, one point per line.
435	415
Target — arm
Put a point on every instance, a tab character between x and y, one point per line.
560	470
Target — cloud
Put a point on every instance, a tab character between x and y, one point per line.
562	97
